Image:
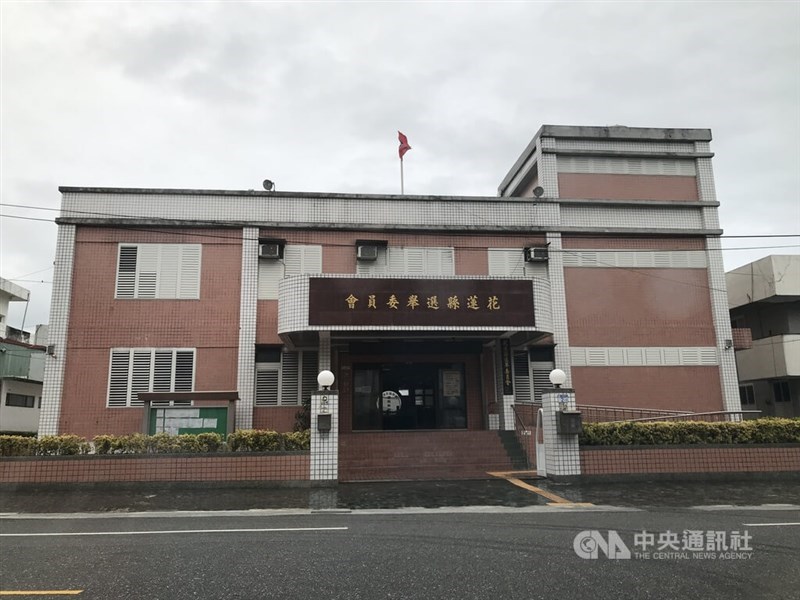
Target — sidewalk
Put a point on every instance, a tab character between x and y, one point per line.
428	494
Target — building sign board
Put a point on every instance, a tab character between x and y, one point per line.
407	302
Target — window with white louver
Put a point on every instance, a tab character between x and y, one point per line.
137	370
288	382
409	261
159	271
297	260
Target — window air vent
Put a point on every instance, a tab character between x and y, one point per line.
269	250
536	254
367	252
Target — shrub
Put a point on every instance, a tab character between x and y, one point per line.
656	433
62	445
256	440
17	445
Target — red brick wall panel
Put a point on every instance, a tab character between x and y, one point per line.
99	322
275	418
717	459
638	307
695	389
601	186
93	469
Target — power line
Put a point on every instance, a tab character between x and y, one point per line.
220	223
235	240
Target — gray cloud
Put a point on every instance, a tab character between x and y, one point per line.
311	95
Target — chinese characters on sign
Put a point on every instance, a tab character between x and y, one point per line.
431	302
505	352
437	302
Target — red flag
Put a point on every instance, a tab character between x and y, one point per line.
404	147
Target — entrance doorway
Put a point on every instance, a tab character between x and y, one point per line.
409	396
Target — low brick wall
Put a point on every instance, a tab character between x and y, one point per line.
273	466
617	460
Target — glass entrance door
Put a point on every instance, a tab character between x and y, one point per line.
409	396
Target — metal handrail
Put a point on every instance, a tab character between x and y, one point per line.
678	416
518	418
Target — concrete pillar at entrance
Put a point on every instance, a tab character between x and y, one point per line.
508	413
561	451
325	444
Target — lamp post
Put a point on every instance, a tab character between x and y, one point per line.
325	380
557	377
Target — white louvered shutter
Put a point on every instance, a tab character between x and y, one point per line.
118	378
140	375
162	371
541	377
290	378
310	370
184	371
126	272
147	271
188	286
522	378
267	381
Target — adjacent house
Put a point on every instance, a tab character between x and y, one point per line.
764	299
21	369
439	315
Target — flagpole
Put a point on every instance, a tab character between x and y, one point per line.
402	188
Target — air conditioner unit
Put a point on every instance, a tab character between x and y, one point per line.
367	252
536	254
269	250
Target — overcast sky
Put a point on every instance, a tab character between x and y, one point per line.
311	95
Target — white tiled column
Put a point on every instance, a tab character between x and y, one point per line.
248	308
716	281
561	451
59	321
325	445
558	298
508	413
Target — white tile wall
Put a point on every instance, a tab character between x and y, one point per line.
325	446
614	146
408	213
57	336
248	307
561	451
718	291
560	329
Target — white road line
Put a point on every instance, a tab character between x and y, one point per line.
769	524
162	531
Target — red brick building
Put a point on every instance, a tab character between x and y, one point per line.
599	256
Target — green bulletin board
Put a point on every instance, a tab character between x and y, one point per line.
177	420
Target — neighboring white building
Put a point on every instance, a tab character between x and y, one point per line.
764	298
21	368
9	292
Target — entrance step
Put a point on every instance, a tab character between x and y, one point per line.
417	455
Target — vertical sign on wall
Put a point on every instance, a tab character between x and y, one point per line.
508	379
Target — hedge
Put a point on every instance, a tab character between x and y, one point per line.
657	433
249	440
255	440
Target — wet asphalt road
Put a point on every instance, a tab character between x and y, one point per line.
390	495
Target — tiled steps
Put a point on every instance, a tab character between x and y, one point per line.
413	455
